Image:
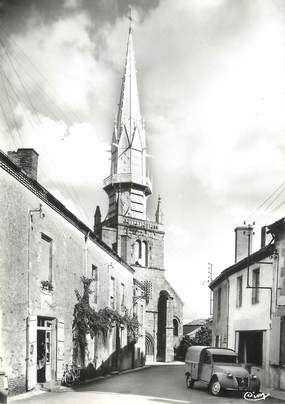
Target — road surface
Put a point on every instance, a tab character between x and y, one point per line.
151	385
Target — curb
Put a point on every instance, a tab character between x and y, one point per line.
36	392
117	373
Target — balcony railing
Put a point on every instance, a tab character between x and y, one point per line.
128	177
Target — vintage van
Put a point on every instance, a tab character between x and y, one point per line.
219	368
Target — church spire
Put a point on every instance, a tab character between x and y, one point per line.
129	116
128	184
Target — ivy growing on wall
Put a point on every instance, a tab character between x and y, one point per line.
86	320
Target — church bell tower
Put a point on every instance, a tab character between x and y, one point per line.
126	227
128	185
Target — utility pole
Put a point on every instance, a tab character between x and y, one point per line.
210	278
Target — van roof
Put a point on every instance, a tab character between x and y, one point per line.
195	351
221	351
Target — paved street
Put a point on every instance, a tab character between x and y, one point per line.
152	385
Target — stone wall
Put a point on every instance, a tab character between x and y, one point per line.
175	307
21	273
220	322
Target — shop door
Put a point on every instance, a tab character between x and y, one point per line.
44	350
48	351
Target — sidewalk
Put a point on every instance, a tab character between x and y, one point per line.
38	391
279	394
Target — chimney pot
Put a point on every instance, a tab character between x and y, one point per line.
27	160
243	236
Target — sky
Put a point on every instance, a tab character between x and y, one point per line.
211	85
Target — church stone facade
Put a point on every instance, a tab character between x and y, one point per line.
127	229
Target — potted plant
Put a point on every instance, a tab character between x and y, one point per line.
46	285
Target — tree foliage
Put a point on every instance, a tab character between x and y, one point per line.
203	336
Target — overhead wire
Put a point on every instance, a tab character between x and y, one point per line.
36	113
78	200
48	84
10	131
265	201
266	213
8	126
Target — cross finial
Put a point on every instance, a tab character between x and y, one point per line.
130	18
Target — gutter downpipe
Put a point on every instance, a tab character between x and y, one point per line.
86	237
228	314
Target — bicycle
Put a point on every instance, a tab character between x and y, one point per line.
71	375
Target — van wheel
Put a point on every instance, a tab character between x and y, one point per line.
189	382
215	387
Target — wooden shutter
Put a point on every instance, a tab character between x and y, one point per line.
275	341
31	352
60	349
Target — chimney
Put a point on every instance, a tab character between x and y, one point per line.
27	160
265	236
243	242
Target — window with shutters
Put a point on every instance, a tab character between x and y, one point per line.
255	284
46	258
219	304
112	293
239	292
95	287
282	341
122	297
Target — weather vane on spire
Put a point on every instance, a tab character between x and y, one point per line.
130	18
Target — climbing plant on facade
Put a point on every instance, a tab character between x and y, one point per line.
86	320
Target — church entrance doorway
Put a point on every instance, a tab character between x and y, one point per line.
149	348
161	326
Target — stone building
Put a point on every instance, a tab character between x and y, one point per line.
45	250
127	229
249	305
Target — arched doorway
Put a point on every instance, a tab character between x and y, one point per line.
161	325
149	348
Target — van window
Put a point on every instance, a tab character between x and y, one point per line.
225	358
207	358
